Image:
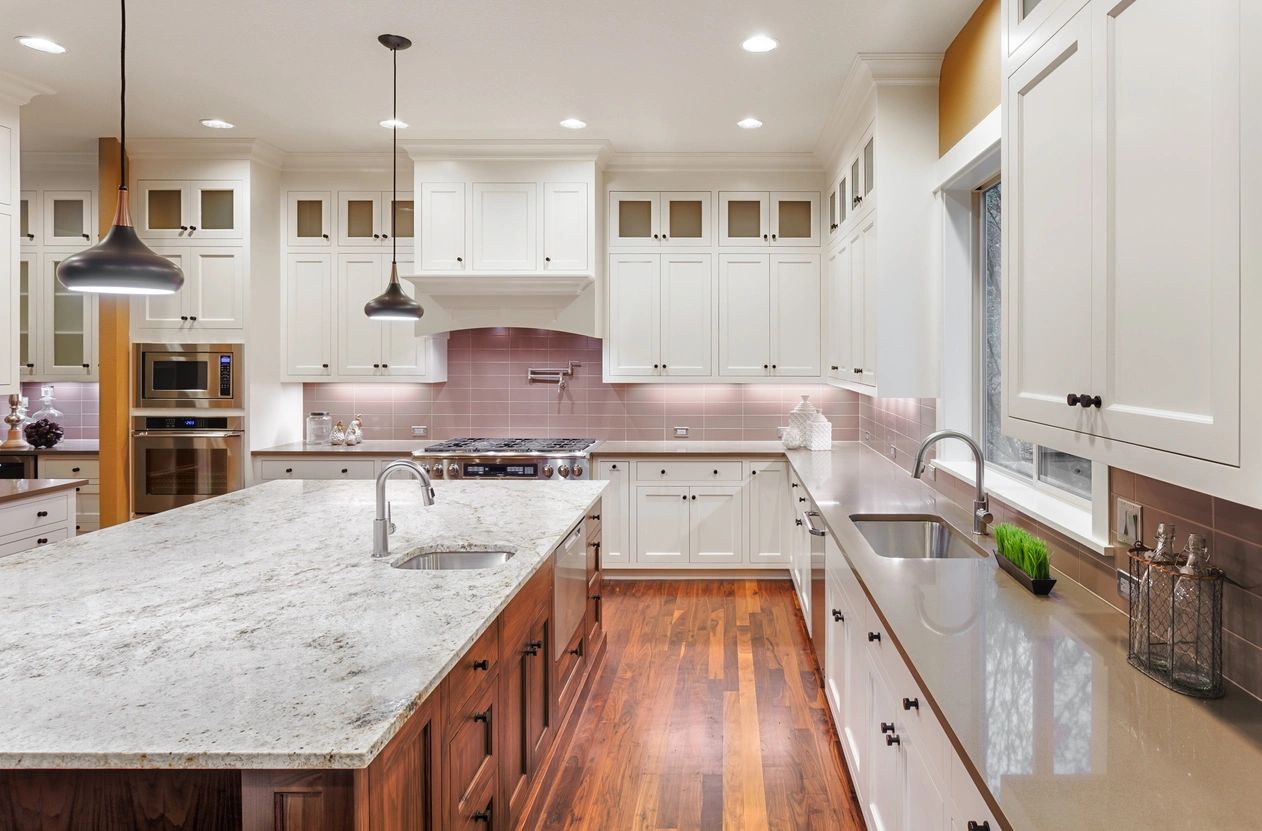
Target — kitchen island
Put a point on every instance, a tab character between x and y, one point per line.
255	632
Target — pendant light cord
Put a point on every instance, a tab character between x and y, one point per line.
394	160
122	100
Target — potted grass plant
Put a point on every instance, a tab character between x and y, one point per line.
1024	556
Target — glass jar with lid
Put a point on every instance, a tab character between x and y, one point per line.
319	427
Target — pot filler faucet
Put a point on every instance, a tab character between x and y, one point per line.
981	504
382	527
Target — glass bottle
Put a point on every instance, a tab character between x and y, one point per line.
1193	619
47	411
319	427
1156	597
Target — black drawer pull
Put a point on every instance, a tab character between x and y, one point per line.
874	636
978	826
840	618
911	703
44	513
887	727
41	540
289	470
890	741
484	716
74	470
577	651
345	470
533	648
482	664
483	816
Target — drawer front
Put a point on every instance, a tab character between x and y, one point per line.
595	609
28	516
317	469
34	541
477	667
690	471
471	754
570	665
55	468
524	609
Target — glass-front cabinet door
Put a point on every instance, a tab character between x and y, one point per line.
29	219
359	218
161	209
400	219
28	313
217	210
743	218
685	218
634	218
308	218
68	324
795	218
68	217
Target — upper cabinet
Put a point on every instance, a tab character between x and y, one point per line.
373	218
68	218
443	221
212	297
778	218
504	219
1123	319
769	315
187	211
309	219
662	326
677	219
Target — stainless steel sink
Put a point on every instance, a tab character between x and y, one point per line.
911	537
454	560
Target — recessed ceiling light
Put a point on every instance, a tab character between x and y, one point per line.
759	43
392	123
217	124
750	123
573	124
41	44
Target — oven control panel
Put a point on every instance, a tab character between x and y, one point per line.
225	376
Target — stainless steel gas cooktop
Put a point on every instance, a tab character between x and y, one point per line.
487	458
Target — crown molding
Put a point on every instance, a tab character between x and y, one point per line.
903	68
339	162
244	149
15	89
704	162
506	150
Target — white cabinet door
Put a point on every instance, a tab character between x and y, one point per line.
924	797
30	217
855	699
614	513
69	217
404	353
167	311
1167	271
1048	230
359	218
835	651
218	285
67	326
504	226
309	314
28	310
795	218
634	314
686	334
217	210
443	226
565	231
796	309
307	219
633	218
744	319
743	218
886	776
717	533
769	513
685	218
839	314
871	302
398	218
359	279
662	531
162	209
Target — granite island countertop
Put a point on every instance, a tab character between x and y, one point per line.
255	630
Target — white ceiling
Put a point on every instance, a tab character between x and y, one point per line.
309	75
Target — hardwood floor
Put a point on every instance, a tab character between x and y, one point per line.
707	714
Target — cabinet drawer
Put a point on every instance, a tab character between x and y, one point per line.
34	541
55	468
475	669
317	469
570	665
27	516
690	471
595	609
471	753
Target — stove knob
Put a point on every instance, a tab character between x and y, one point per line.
578	471
425	466
564	470
437	472
547	471
453	470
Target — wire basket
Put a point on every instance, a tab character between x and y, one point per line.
1176	625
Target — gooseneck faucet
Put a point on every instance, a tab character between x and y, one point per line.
981	504
382	527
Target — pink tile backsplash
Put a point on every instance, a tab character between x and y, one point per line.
79	402
486	393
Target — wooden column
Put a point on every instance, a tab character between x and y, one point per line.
114	350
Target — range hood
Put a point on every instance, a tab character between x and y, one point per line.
565	303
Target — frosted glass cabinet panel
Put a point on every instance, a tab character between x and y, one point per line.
189	210
68	217
164	210
308	218
66	326
743	218
359	218
633	218
795	218
685	218
27	265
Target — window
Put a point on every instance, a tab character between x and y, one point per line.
1060	471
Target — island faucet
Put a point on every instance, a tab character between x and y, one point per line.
981	504
382	527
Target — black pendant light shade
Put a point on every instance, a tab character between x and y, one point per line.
393	303
120	263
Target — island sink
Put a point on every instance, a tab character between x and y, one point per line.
915	537
454	560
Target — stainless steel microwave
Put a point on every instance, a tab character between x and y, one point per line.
188	375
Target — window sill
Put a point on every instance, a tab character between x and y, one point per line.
1061	516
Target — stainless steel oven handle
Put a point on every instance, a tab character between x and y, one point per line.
196	434
810	526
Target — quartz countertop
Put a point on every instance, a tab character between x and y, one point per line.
12	490
371	447
255	630
85	446
1036	692
683	447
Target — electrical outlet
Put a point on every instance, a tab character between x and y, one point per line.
1130	522
1125	585
867	435
893	452
681	432
419	431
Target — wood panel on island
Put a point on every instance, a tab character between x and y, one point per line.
480	752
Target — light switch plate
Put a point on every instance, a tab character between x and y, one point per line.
681	432
1130	522
419	431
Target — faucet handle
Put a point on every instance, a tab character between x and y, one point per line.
389	519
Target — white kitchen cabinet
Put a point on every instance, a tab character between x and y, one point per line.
375	349
666	218
663	532
212	298
685	218
30	219
36	521
685	313
864	301
886	775
443	236
835	650
662	324
307	467
924	794
69	218
308	219
371	218
794	218
505	217
769	315
744	218
838	321
769	512
27	310
308	316
87	512
565	227
634	218
189	211
716	528
65	334
615	512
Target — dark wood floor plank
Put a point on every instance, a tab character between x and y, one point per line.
707	714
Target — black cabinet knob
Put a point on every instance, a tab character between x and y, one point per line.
773	237
577	651
911	703
663	366
765	366
694	497
324	236
483	816
1072	399
289	470
663	471
858	370
797	522
834	368
324	366
183	227
887	727
376	366
30	366
460	259
890	741
656	236
664	237
345	470
978	826
41	513
192	317
613	467
183	317
533	647
74	470
85	366
716	473
30	236
801	499
764	237
655	366
838	616
385	366
773	366
385	236
753	473
85	236
547	259
41	540
484	716
874	636
482	664
684	497
376	236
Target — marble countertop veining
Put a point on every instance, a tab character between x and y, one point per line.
12	490
255	630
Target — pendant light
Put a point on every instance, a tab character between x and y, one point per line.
120	263
393	303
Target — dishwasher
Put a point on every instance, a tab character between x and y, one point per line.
569	588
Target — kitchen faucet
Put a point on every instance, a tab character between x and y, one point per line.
981	504
382	527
